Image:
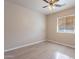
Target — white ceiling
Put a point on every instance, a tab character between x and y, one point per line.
38	4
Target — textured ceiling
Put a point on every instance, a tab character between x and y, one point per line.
38	4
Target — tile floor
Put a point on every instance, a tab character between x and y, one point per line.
44	50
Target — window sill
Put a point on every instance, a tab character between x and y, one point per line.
67	32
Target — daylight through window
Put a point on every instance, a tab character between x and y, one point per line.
66	24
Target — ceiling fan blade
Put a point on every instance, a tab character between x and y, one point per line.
45	6
46	1
59	5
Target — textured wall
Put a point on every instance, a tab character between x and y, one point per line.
52	35
22	26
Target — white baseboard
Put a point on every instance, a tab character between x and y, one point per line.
24	46
72	46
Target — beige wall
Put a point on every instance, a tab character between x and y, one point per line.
52	35
22	26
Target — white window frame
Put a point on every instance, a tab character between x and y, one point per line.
64	30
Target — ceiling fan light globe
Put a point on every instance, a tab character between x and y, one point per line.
50	8
53	7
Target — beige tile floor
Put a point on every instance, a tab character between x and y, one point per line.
44	50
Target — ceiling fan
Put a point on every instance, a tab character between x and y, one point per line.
52	3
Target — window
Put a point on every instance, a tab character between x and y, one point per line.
66	24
